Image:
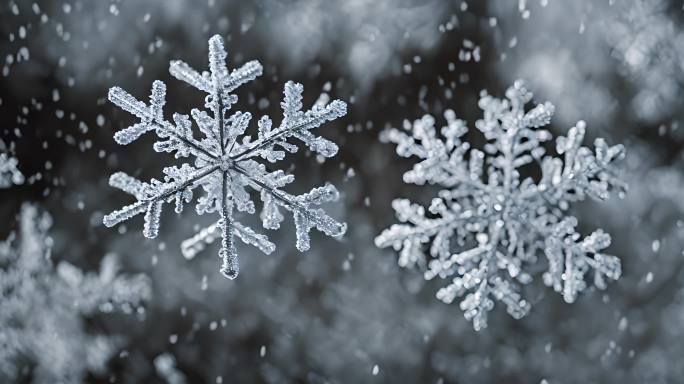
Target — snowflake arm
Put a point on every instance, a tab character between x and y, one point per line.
295	124
226	165
192	246
489	225
571	257
581	172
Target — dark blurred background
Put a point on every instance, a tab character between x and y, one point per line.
344	311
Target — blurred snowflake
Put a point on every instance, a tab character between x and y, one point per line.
43	308
9	173
647	38
503	221
224	165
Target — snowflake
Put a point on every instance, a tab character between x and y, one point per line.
9	173
499	221
44	308
225	165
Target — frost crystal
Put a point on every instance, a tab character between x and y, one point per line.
44	308
226	161
498	221
9	173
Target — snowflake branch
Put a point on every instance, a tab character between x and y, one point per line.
151	204
151	118
208	235
321	221
230	267
331	112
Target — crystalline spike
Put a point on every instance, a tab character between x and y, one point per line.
539	116
217	59
248	72
128	184
183	72
208	235
124	213
292	103
237	125
152	216
229	267
248	236
320	195
303	226
128	103
205	123
158	99
317	218
265	124
132	133
270	215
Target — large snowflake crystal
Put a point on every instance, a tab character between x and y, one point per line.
43	309
488	226
226	161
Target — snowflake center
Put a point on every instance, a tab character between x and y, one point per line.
225	163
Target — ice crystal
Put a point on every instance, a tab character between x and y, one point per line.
487	228
226	162
44	308
9	173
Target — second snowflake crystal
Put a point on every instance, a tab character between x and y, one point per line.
487	228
